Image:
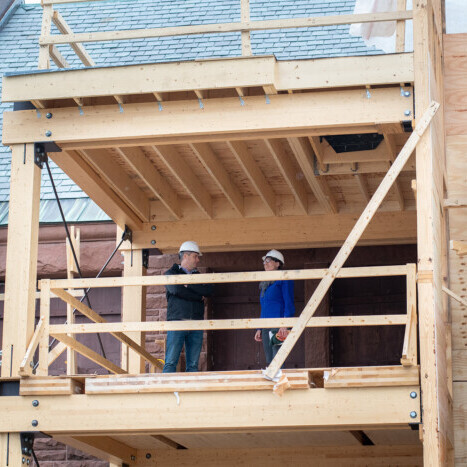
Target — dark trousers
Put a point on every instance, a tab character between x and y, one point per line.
193	341
270	350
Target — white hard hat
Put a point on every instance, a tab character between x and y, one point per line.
275	254
190	246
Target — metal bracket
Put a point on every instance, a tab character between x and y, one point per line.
27	443
9	388
40	156
127	234
145	258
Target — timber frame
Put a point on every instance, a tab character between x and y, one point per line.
217	152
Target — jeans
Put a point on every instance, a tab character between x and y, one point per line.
270	350
193	341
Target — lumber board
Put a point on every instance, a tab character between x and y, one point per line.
211	325
372	377
351	240
50	386
218	116
223	28
25	367
217	278
184	382
459	365
460	418
224	410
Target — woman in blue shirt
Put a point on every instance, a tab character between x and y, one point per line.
277	301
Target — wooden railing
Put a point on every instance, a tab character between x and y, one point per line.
65	332
48	42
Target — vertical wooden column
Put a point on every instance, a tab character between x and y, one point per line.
72	272
44	54
10	450
21	259
43	368
436	407
246	39
133	309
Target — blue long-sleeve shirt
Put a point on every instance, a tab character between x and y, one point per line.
278	300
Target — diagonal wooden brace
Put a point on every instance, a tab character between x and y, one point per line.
351	241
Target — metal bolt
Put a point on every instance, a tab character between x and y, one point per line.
25	451
413	414
153	227
133	458
48	115
30	452
31	364
48	133
28	462
34	423
148	456
35	403
407	113
23	460
406	93
413	395
153	242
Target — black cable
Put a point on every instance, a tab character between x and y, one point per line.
35	458
71	245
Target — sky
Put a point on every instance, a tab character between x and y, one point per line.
456	15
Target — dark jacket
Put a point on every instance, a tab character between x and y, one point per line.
185	302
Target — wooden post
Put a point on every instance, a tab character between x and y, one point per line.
351	241
400	28
430	160
10	450
21	260
245	16
133	309
72	271
43	368
44	51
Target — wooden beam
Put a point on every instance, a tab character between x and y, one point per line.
220	324
156	183
455	296
72	271
409	349
330	156
363	186
304	155
318	151
79	49
288	171
102	447
211	163
92	315
234	73
183	173
21	257
90	354
44	340
351	241
390	145
455	203
89	181
219	116
217	278
252	171
57	57
245	17
44	50
226	27
240	410
115	176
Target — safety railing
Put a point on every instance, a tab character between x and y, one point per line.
48	42
66	333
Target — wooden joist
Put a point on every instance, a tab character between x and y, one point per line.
186	382
371	377
50	386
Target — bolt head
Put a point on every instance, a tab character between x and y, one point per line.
31	364
23	460
48	115
413	395
35	403
153	242
48	133
413	414
34	423
153	227
406	93
133	458
407	113
28	462
148	456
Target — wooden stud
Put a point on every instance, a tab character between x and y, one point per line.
455	203
455	296
44	50
320	188
288	171
134	309
351	241
409	349
23	234
25	367
245	18
318	151
43	367
64	29
212	165
57	57
253	172
182	172
363	186
72	271
146	171
400	28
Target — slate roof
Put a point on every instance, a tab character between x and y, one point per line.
19	51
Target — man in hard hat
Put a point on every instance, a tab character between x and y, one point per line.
185	302
277	301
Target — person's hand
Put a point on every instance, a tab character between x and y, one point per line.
282	333
258	336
